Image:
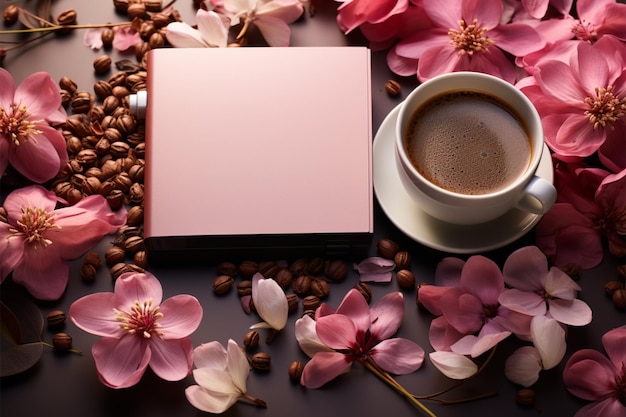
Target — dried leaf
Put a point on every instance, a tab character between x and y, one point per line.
127	65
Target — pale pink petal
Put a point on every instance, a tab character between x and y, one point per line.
482	277
121	362
523	366
525	269
375	269
463	311
40	94
286	10
401	65
398	356
355	306
386	315
523	302
94	313
181	35
475	346
215	380
93	38
442	335
336	331
436	61
131	287
182	314
238	366
453	365
614	342
270	301
598	372
211	27
549	339
210	355
571	312
307	337
324	367
211	402
171	359
559	285
429	296
125	38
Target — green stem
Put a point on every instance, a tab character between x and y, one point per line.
384	376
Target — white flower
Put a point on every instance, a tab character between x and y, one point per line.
270	303
211	32
453	365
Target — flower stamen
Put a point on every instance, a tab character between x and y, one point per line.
470	38
16	124
605	108
33	226
142	319
585	31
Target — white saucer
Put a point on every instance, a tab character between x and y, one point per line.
407	216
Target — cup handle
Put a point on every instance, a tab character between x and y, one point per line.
538	196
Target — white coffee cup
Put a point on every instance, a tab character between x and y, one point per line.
527	191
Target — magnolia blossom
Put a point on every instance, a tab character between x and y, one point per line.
138	329
600	379
548	349
354	13
270	303
538	290
472	320
271	17
38	240
591	204
212	32
220	376
375	269
467	35
354	332
27	141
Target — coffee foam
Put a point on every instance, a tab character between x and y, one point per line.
468	143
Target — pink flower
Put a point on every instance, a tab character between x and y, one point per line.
591	204
472	320
271	17
354	13
211	32
583	103
354	332
38	240
27	141
538	8
138	330
467	36
594	377
538	290
599	17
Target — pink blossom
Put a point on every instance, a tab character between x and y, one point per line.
599	17
138	329
600	379
583	103
38	240
538	290
271	17
591	204
353	13
467	36
27	141
354	332
126	37
472	320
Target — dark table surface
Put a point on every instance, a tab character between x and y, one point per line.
67	384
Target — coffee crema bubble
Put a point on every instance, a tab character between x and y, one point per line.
468	143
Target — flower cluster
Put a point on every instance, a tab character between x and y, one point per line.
477	306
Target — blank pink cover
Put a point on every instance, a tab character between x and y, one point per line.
258	141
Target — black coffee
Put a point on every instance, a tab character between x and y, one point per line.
468	143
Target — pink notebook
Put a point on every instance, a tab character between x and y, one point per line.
259	151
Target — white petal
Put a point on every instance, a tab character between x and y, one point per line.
270	301
571	312
261	325
549	338
523	366
307	337
181	35
215	380
238	366
209	402
210	355
212	28
453	365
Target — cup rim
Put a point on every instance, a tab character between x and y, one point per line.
535	130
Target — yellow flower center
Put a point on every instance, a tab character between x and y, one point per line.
142	319
605	108
469	39
33	226
16	125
